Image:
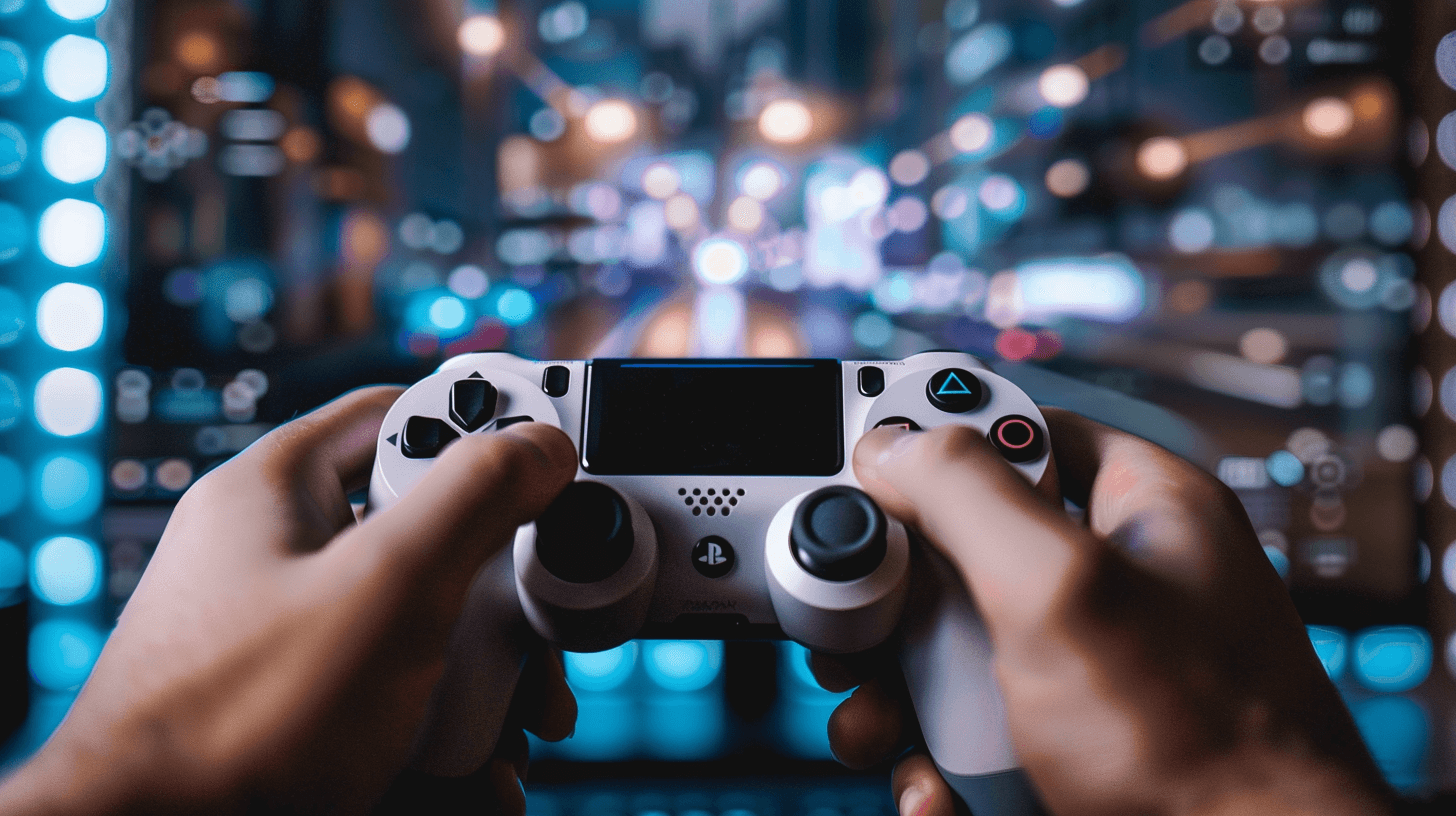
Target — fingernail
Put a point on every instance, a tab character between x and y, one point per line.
897	448
913	801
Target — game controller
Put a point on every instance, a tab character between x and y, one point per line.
715	499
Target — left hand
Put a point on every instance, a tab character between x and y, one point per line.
277	655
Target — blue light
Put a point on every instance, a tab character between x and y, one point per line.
12	485
1398	733
12	149
77	9
1392	658
606	729
684	665
1045	123
74	150
14	66
1332	646
873	330
76	68
684	726
66	570
1278	559
1284	468
980	50
13	236
72	232
601	671
62	653
515	306
447	312
1107	288
12	572
68	487
9	401
244	86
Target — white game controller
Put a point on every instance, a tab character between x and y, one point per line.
715	499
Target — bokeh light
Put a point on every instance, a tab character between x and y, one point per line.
76	68
72	232
70	316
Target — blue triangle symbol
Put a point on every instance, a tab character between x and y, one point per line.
946	388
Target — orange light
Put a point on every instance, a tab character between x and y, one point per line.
198	50
610	121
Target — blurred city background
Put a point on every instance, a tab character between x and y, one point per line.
1225	225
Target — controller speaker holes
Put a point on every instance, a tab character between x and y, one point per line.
712	500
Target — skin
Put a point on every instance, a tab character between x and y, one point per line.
279	657
1150	658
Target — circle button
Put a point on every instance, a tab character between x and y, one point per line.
713	557
1018	438
954	390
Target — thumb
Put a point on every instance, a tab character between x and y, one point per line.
468	506
1014	548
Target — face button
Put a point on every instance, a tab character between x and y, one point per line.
954	390
713	557
556	381
904	423
1018	438
506	422
871	381
585	535
472	403
423	437
838	534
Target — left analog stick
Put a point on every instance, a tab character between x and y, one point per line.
586	534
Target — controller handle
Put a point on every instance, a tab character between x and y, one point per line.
487	648
945	653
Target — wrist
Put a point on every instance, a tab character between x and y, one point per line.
72	777
1275	782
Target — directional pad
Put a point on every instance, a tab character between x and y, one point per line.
472	403
423	437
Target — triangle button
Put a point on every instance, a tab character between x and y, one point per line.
955	390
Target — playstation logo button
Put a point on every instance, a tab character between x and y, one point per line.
713	557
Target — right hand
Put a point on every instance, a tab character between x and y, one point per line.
1151	660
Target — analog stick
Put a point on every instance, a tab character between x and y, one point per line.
585	535
838	534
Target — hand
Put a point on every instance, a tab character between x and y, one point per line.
1151	660
277	655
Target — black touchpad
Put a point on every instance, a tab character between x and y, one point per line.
714	418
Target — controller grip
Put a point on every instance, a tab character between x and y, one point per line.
487	649
946	657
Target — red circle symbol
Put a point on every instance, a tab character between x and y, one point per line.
1021	435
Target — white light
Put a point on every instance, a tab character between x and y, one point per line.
610	121
67	570
660	180
745	214
74	150
785	121
481	35
1162	158
77	9
68	401
1329	117
971	133
72	232
75	68
70	316
909	167
720	260
388	128
761	180
1063	85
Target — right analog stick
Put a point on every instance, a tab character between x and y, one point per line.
1018	438
586	534
838	534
